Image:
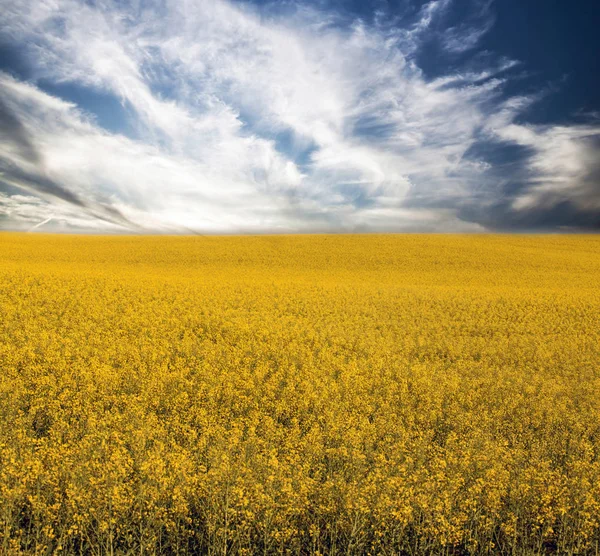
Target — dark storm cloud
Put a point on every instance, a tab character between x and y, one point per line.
12	129
559	215
36	184
515	192
16	136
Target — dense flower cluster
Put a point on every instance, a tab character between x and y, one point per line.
323	394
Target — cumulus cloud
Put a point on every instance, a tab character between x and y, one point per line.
248	121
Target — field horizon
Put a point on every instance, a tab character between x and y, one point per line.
300	394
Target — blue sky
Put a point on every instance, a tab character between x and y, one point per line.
231	116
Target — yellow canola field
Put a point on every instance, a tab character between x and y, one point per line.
383	394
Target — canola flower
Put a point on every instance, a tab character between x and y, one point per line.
367	394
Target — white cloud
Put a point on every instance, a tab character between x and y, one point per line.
215	86
28	213
468	33
149	187
563	164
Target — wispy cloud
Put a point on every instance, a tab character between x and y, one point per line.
467	34
273	120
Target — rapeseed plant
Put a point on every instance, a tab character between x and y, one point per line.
309	394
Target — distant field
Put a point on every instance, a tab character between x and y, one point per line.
390	394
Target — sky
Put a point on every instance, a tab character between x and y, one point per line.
286	116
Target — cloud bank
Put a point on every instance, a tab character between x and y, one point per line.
235	118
